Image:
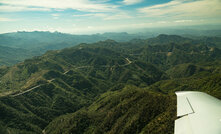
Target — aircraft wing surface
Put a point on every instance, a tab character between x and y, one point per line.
198	112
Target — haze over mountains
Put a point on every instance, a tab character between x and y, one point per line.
36	43
124	86
15	47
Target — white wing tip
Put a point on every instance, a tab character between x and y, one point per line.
180	93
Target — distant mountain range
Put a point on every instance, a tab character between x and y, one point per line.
107	86
50	41
37	43
25	45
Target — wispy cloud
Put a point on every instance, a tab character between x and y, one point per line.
106	16
81	5
184	8
55	16
118	16
90	15
131	2
6	19
14	8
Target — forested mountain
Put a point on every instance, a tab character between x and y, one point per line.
49	41
37	43
25	45
130	110
10	56
107	86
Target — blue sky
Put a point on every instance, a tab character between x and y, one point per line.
98	16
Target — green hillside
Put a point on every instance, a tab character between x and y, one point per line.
106	87
129	110
10	56
18	46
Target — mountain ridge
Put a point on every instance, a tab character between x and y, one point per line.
84	80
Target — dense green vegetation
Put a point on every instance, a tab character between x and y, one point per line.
130	110
15	47
18	46
107	87
10	56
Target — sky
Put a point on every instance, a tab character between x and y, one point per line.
99	16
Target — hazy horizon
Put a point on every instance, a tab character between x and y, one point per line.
180	30
96	16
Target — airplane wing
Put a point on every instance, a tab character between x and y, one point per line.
198	113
